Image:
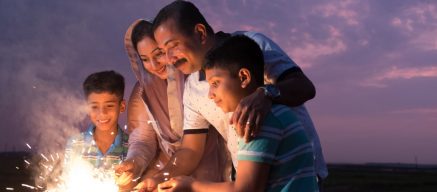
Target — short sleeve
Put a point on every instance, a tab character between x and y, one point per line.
193	119
262	149
264	146
276	60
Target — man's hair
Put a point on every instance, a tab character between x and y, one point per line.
140	31
185	15
235	53
105	81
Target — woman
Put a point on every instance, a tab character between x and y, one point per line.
155	115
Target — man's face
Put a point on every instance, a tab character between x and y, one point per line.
224	89
184	52
152	57
104	109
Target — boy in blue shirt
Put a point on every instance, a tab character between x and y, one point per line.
281	157
103	144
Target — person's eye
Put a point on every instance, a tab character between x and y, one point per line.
215	83
145	59
109	106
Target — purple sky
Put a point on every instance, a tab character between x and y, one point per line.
374	64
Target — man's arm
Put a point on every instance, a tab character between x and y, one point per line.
295	89
187	158
251	177
183	162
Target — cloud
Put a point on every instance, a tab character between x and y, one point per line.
419	24
312	48
343	10
395	73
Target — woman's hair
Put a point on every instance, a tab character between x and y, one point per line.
141	30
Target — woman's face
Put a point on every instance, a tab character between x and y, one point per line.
152	56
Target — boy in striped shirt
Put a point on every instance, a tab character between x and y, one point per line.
281	157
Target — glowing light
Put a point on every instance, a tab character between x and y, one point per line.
28	146
80	175
28	186
27	162
43	156
9	188
136	179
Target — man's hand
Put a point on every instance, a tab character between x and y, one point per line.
180	183
148	184
126	175
250	113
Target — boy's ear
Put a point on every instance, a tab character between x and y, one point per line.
122	106
245	77
200	32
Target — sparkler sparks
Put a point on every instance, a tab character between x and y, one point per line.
28	146
28	186
27	162
43	156
136	179
9	189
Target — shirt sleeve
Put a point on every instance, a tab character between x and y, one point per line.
194	122
276	60
142	139
263	147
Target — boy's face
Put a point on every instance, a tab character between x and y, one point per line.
225	90
104	109
184	52
152	57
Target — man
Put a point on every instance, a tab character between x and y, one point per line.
185	36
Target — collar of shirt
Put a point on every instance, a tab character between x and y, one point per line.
118	141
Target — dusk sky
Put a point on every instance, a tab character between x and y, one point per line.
374	65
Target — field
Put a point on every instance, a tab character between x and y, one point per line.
342	177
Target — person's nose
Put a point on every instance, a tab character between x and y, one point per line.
211	93
103	111
171	56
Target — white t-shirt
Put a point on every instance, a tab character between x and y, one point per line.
200	112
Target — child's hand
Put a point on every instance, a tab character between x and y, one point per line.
180	183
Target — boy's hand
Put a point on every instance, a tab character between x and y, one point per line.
126	176
250	114
180	183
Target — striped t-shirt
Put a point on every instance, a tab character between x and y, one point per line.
85	146
283	144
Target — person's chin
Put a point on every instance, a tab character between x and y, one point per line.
185	68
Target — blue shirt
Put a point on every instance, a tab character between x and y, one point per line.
85	146
283	144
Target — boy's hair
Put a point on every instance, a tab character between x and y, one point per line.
140	31
235	53
104	81
186	16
